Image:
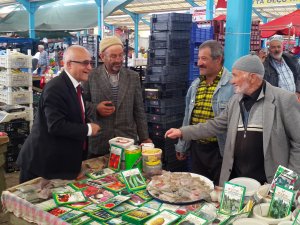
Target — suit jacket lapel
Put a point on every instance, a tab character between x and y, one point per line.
268	117
123	85
103	83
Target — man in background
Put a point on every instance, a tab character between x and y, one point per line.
261	122
114	97
281	69
57	143
43	62
205	99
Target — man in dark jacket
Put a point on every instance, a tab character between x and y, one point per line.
281	69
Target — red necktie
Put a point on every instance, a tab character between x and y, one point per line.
79	91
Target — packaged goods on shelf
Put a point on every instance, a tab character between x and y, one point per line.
19	96
15	78
16	60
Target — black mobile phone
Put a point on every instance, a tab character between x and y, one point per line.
109	104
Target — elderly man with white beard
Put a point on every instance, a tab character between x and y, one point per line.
261	122
281	69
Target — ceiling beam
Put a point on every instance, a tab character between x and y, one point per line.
263	18
192	3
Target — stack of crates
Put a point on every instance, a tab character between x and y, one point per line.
17	131
199	34
166	80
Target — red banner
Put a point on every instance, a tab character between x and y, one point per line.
221	4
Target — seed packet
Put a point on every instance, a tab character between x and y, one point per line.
297	219
71	215
113	202
59	211
192	219
68	198
100	173
47	205
81	220
101	196
101	215
115	157
207	211
284	177
221	219
64	189
166	206
139	215
144	194
93	223
107	179
116	221
136	200
121	209
78	186
115	186
90	191
90	208
124	192
153	204
134	179
79	205
281	202
232	198
184	210
165	217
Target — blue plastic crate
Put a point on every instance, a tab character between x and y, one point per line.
199	35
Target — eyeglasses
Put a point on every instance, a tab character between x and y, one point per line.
84	63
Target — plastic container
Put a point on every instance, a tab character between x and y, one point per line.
262	194
252	221
124	143
251	185
16	97
146	146
16	60
152	162
133	157
15	80
260	212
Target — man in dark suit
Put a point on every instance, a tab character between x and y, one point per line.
57	143
114	97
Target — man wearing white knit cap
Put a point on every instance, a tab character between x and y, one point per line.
261	123
114	97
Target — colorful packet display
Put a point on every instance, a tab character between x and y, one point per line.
47	205
59	211
121	209
170	207
94	223
221	219
115	186
207	211
116	221
183	210
144	194
100	173
134	179
163	218
107	179
297	219
115	157
78	186
232	198
139	215
79	205
90	191
101	215
281	202
113	202
68	198
284	177
81	220
90	208
101	196
71	215
136	200
153	204
64	189
192	219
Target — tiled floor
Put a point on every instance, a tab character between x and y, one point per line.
12	179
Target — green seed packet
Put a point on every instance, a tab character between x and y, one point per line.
139	215
115	157
100	173
170	207
207	211
47	205
144	194
116	186
221	219
153	204
90	208
136	200
284	177
80	220
79	186
68	198
281	202
164	217
121	209
94	223
101	215
116	221
101	196
134	180
232	198
297	219
79	205
59	211
191	218
115	201
71	215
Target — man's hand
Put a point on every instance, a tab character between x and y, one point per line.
173	133
106	108
298	95
181	156
95	128
148	140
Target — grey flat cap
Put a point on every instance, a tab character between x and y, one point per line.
250	63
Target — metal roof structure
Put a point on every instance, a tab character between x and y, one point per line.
145	8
